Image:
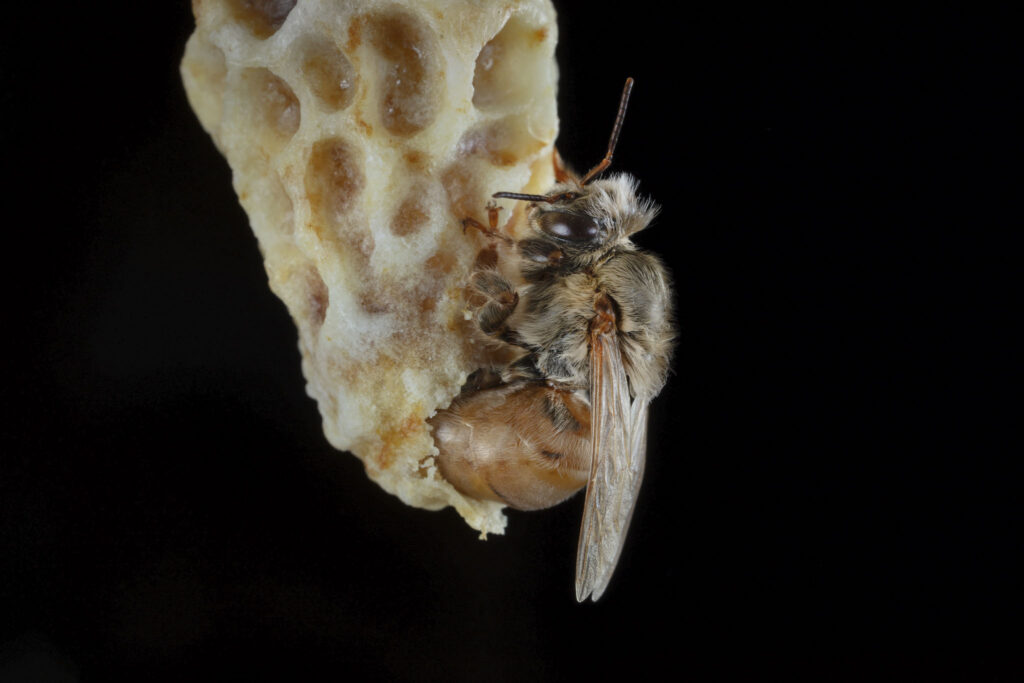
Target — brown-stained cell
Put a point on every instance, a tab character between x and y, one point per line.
507	64
343	368
393	436
415	158
261	17
442	261
333	179
318	297
365	127
412	214
408	75
331	76
355	34
465	196
276	106
502	143
374	302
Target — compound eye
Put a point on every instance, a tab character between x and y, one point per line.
575	227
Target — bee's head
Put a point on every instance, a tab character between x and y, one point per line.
603	212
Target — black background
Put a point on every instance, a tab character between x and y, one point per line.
828	493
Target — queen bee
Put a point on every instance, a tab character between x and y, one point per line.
586	336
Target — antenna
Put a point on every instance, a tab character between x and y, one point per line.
607	161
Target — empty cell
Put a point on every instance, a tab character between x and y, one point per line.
261	17
503	142
510	65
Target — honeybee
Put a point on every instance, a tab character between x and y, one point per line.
588	335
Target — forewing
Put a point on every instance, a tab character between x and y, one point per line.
618	435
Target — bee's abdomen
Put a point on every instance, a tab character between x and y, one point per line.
525	444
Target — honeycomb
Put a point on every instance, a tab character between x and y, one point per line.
360	134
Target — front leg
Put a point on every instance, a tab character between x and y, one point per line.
500	300
491	295
491	229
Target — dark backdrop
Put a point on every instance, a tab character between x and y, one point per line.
826	494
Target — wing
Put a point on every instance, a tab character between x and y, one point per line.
618	435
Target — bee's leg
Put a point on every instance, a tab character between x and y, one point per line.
491	230
486	258
480	379
501	299
492	318
524	368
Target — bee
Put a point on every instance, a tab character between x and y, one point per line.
587	335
